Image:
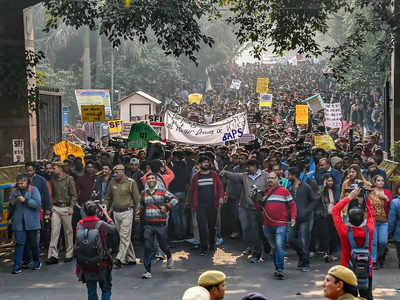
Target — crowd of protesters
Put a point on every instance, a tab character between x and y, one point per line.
276	189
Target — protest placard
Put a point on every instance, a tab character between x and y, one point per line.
115	127
324	142
388	166
262	85
94	97
301	114
265	101
140	134
235	85
93	113
195	98
315	103
182	130
65	148
333	115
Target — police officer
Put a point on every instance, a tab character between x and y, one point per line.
122	197
340	284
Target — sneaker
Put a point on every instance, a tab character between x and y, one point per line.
255	260
192	241
68	259
52	261
327	258
25	266
247	251
234	235
305	269
117	264
203	252
146	275
279	275
16	271
37	267
219	242
170	263
131	263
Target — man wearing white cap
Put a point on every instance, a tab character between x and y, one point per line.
196	293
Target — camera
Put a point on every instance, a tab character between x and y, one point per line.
358	184
118	143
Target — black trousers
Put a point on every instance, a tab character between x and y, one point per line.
327	234
207	219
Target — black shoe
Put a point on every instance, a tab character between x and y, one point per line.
203	252
247	251
25	266
52	261
212	250
131	263
16	271
68	259
279	275
117	264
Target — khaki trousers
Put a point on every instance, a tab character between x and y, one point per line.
123	222
60	216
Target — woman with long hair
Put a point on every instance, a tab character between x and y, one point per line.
323	217
353	175
381	199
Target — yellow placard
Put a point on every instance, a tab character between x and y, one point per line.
195	98
301	114
262	85
265	100
388	166
324	142
264	104
115	126
65	148
93	113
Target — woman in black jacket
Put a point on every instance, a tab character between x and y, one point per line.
323	218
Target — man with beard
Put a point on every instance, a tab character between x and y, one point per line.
135	172
155	202
207	196
372	170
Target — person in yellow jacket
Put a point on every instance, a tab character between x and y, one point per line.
340	284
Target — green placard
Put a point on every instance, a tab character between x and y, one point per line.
140	134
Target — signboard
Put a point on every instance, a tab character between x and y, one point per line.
195	98
301	114
182	130
254	117
265	101
65	148
155	120
333	115
115	127
324	142
18	150
93	113
94	97
262	85
315	103
65	115
235	85
388	166
126	129
140	134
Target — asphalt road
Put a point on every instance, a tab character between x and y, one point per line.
58	282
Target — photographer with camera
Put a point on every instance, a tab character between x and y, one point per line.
93	259
356	237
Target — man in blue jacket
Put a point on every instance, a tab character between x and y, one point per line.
24	203
324	167
394	223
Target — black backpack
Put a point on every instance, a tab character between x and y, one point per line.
89	249
359	259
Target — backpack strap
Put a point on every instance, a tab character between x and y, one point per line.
366	243
352	242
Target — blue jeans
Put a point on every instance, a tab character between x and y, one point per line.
152	233
104	283
178	216
276	236
29	237
299	240
380	240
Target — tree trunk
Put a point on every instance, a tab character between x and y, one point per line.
86	84
99	62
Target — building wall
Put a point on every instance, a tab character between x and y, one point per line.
126	110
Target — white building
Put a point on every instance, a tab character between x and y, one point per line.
136	106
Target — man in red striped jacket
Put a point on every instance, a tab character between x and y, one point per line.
155	203
277	207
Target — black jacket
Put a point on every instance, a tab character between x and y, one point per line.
306	201
182	177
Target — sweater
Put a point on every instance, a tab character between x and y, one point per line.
358	232
218	189
277	207
151	204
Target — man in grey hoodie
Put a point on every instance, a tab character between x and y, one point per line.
254	179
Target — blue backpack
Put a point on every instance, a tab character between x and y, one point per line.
359	259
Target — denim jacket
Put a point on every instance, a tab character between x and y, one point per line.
394	218
27	213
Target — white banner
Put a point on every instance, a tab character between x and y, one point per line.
235	85
182	130
333	115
